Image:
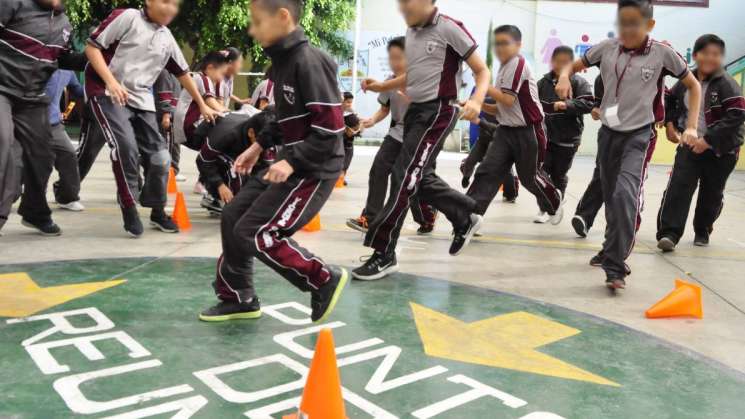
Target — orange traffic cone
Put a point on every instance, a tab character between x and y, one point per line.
180	214
314	224
322	397
339	182
172	186
684	301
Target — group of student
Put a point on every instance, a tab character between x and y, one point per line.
269	171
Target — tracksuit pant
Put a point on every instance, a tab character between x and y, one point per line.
67	188
135	140
259	223
348	155
90	143
559	160
426	125
174	148
525	147
424	214
592	200
511	186
622	158
26	124
707	172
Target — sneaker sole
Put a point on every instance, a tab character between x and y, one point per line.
558	218
579	227
616	285
355	227
469	236
382	274
666	245
161	228
133	235
424	234
31	226
335	298
71	209
251	315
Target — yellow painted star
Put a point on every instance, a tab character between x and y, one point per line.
508	341
20	296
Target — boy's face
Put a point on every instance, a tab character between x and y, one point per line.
505	47
709	60
397	60
347	104
162	11
216	73
633	27
267	28
560	61
415	12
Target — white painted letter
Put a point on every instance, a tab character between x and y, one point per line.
62	325
478	390
185	409
287	340
275	311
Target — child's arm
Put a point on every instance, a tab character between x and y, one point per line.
397	83
209	171
583	100
690	135
187	83
501	97
380	115
673	112
564	85
726	134
481	75
98	63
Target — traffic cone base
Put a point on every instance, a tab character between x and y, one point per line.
180	213
314	225
172	186
339	182
684	301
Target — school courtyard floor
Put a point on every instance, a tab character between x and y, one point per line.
94	324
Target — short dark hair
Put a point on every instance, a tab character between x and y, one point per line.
233	53
398	42
645	6
563	50
294	6
262	119
709	39
215	58
348	95
510	30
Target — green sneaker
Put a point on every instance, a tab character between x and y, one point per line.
324	300
225	310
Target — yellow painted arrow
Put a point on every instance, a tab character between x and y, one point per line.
21	297
508	341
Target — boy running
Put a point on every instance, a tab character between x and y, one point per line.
436	46
167	91
127	52
520	138
259	222
710	159
633	68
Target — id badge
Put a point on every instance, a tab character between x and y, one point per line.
611	116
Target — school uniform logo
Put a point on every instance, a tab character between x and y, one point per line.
647	74
66	35
289	94
714	98
431	47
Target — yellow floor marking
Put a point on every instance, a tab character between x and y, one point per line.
20	296
508	341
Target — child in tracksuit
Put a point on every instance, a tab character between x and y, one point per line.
520	138
167	91
259	222
222	143
487	129
708	161
34	42
633	68
436	46
127	52
564	119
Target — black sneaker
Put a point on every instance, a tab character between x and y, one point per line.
597	260
666	244
132	223
213	206
509	200
376	267
227	310
462	237
615	283
46	228
360	224
701	241
161	221
425	230
580	226
324	300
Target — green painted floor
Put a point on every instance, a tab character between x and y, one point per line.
137	350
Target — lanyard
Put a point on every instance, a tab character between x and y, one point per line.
632	54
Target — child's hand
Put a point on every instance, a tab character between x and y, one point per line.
595	113
279	172
210	115
560	106
226	195
118	93
166	122
690	135
371	85
672	134
699	146
247	160
367	123
471	110
564	88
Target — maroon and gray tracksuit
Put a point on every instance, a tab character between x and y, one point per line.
721	125
260	221
521	141
435	53
167	90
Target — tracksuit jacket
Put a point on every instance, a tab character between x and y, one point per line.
34	42
565	127
724	108
310	120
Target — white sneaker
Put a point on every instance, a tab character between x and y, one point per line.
180	178
556	218
542	218
199	189
75	206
